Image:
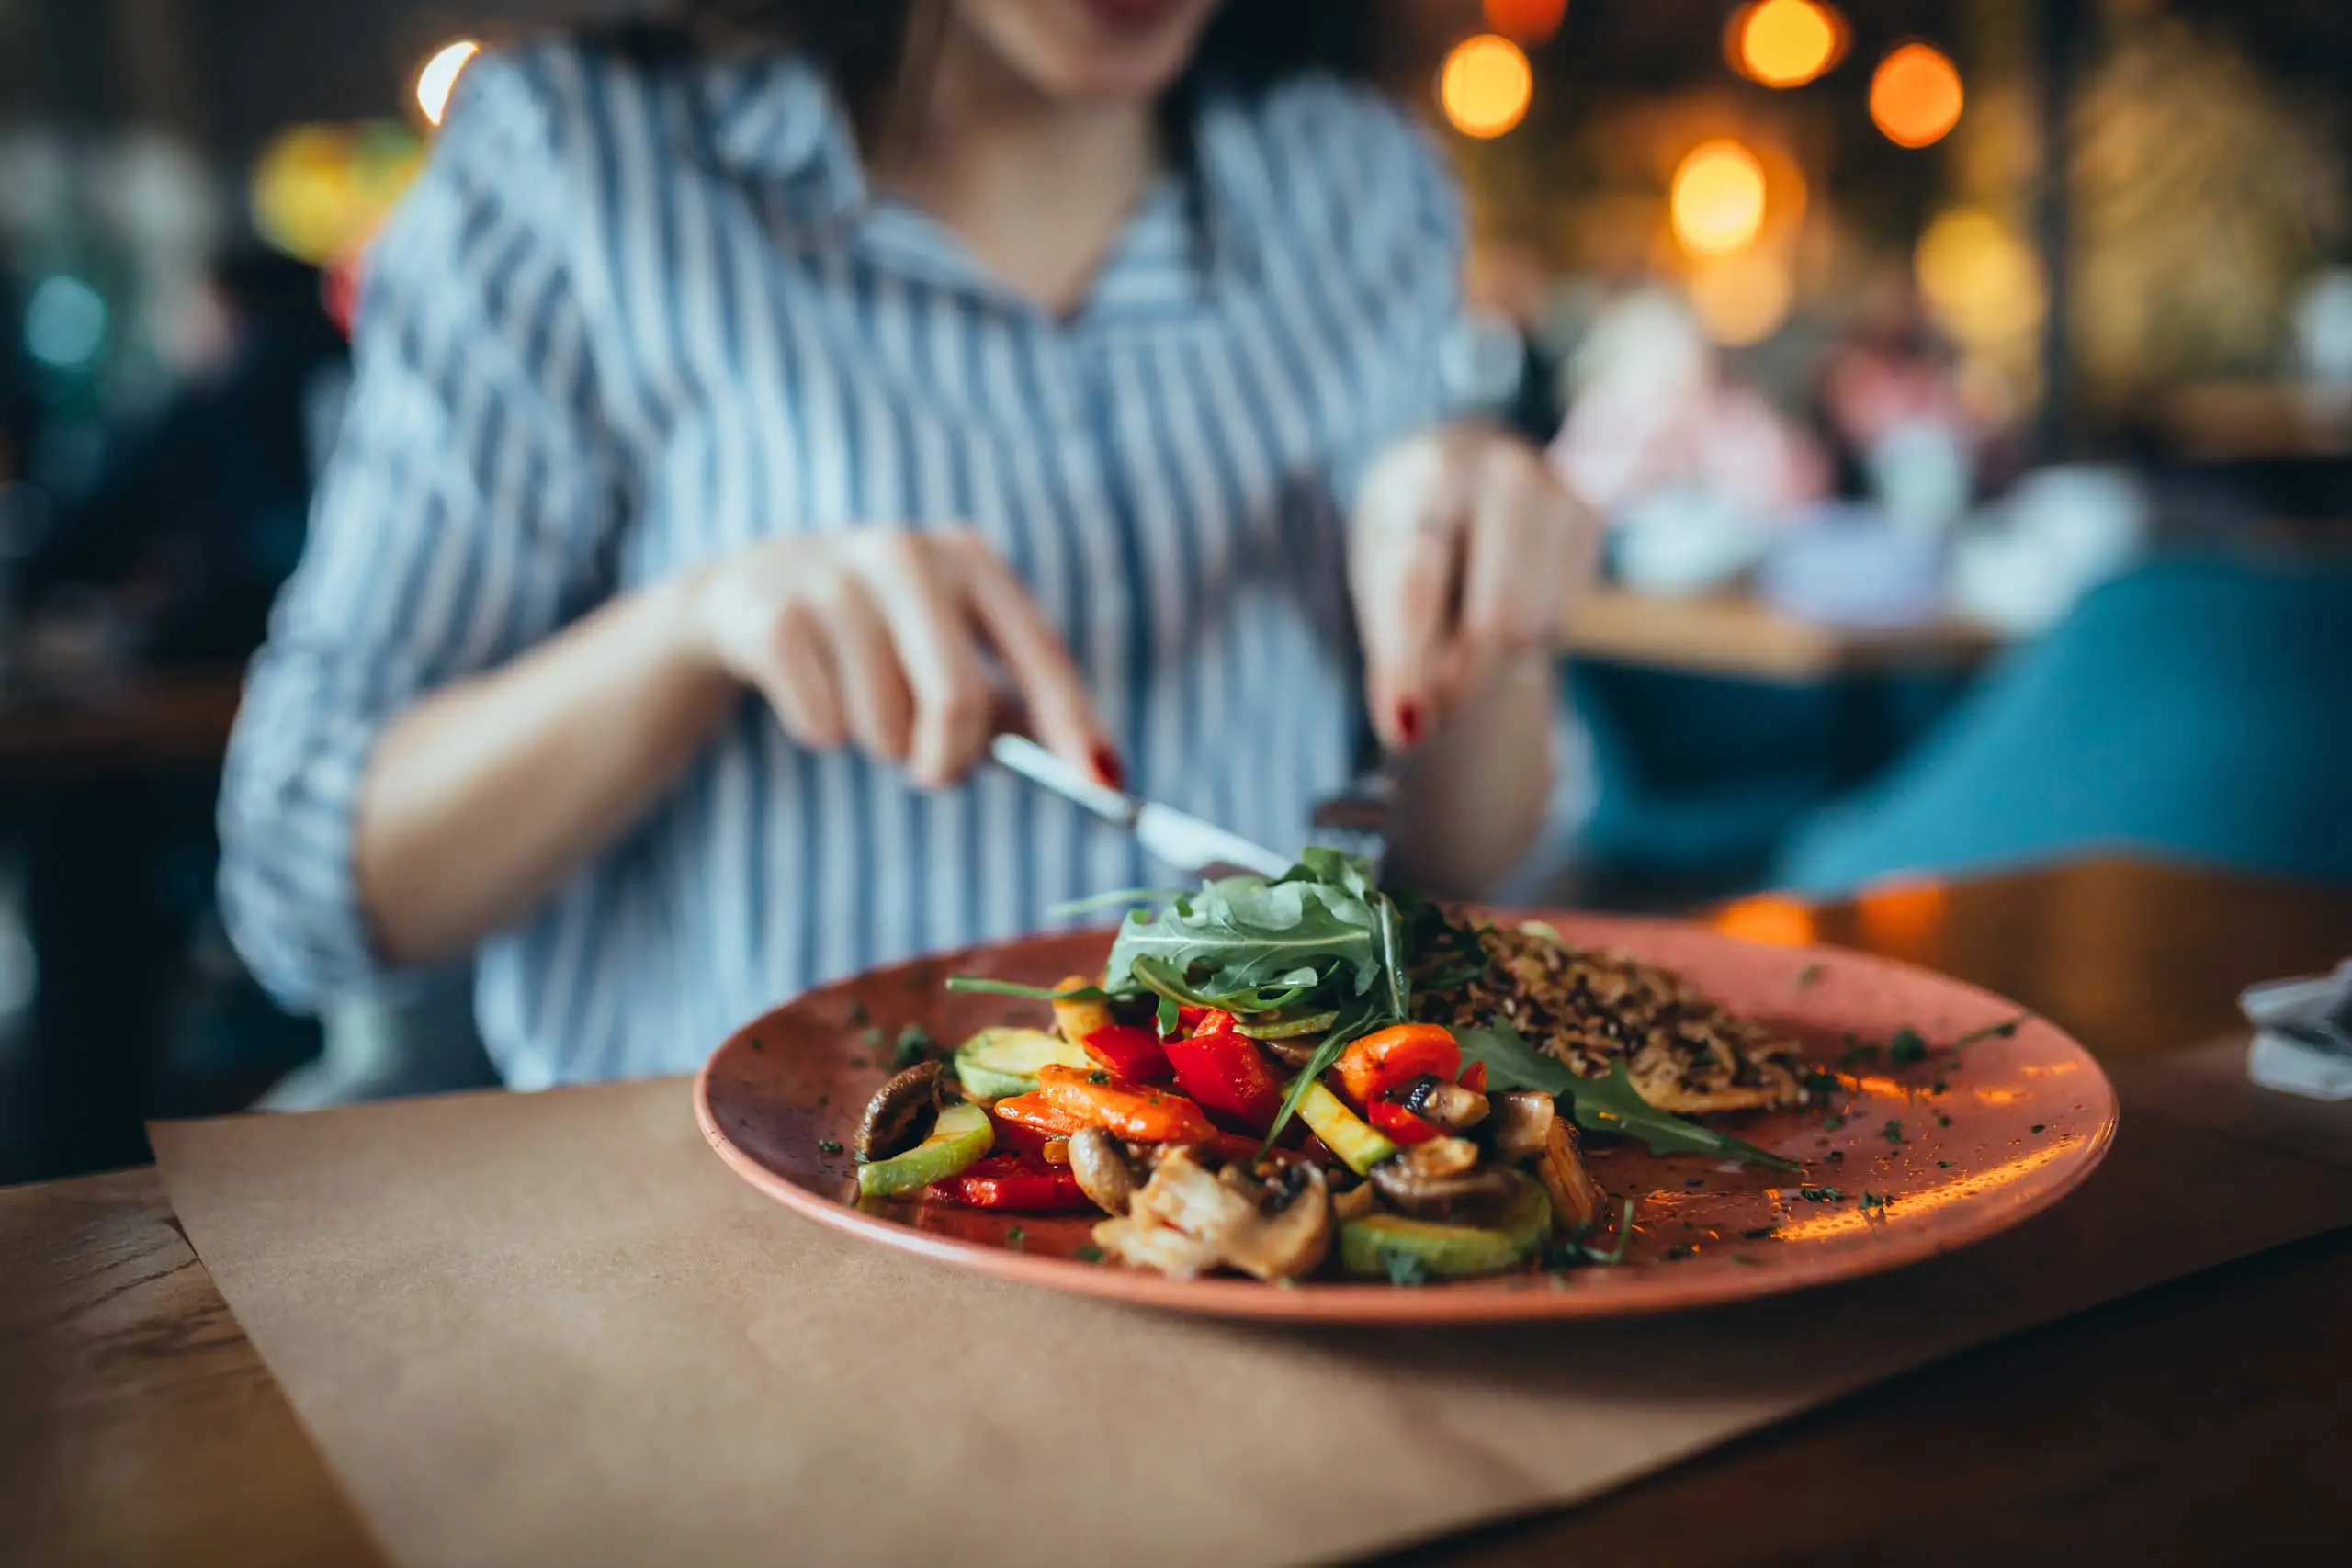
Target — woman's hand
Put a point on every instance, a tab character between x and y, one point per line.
1466	556
885	638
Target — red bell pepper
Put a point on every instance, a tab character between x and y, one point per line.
1226	1072
1132	1111
1400	1125
1474	1077
1011	1181
1129	1051
1390	1057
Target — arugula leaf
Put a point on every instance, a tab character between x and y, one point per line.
1034	993
1242	933
1115	899
1603	1105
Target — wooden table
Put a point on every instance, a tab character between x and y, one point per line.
2201	1421
1738	635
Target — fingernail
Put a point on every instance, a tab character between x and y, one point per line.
1409	721
1108	769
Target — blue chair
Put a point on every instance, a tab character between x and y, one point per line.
2195	708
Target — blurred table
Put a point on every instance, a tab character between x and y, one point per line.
1738	635
53	726
138	1424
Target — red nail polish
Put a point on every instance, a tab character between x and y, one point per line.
1107	768
1409	721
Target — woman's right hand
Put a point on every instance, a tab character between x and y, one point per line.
892	639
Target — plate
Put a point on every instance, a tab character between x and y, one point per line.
1926	1157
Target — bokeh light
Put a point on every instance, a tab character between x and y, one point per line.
1774	920
1485	85
1717	201
1786	43
1915	95
437	77
319	192
65	323
1529	21
1979	279
1743	298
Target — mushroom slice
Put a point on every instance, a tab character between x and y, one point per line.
901	1112
1440	1157
1520	1123
1576	1197
1099	1163
1414	1188
1271	1231
1352	1204
1145	1242
1446	1106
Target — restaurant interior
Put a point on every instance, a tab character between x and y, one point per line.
1961	391
1966	388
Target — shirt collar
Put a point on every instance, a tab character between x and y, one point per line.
773	116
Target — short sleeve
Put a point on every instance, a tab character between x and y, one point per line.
467	512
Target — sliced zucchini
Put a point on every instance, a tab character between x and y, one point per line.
998	1062
1446	1251
961	1135
1343	1132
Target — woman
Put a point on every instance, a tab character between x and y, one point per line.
741	428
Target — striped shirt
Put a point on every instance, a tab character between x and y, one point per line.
630	320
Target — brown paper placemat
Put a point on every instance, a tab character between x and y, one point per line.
544	1328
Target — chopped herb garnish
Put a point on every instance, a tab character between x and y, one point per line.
857	1013
1906	1047
2037	1127
1090	1253
1820	1084
1098	1075
1759	1233
1809	976
1943	1165
1938	1087
827	1146
1892	1131
1834	1123
1874	1201
1837	1157
915	1043
1820	1195
1015	1237
1942	1120
1681	1251
869	1036
2001	1031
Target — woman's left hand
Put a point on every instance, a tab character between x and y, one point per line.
1467	555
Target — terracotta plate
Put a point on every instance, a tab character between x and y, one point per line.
1958	1145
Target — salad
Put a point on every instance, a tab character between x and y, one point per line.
1312	1075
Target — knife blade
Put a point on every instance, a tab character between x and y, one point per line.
1194	849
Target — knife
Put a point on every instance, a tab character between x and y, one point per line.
1195	849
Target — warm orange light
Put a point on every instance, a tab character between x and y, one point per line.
1743	300
1900	918
1786	43
1485	85
1718	197
1914	96
1529	21
437	77
1772	919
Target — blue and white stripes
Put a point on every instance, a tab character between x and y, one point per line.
631	322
